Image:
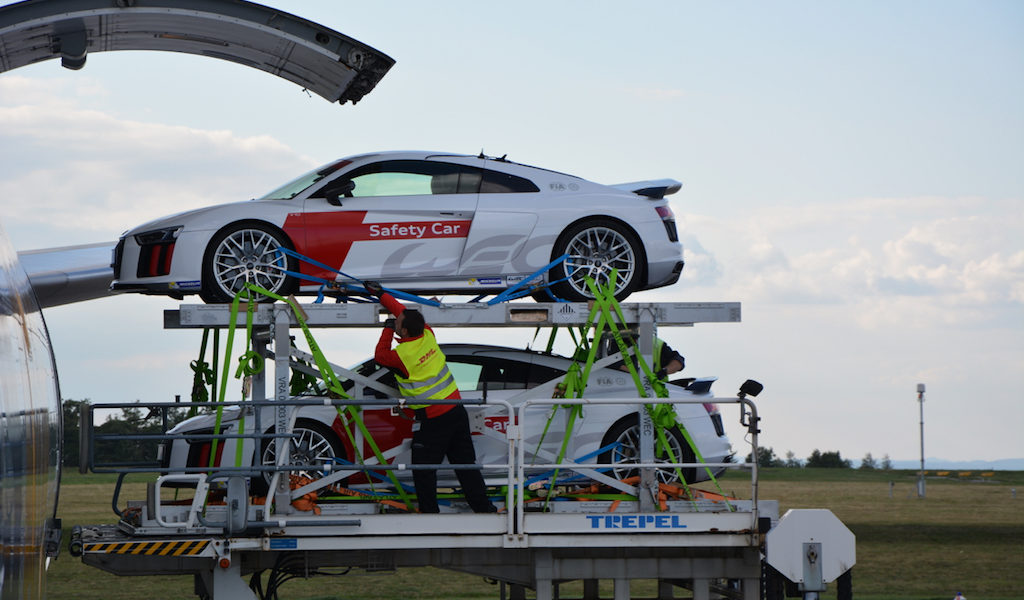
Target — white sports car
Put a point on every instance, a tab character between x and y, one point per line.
416	221
507	374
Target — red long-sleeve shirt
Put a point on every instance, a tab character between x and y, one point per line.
383	354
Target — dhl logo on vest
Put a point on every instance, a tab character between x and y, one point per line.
428	355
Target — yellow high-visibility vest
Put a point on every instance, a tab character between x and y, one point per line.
429	377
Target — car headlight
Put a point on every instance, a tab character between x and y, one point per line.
158	236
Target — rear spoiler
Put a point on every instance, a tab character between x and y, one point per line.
654	189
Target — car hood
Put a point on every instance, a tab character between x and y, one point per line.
200	422
200	219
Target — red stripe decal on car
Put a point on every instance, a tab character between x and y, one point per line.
328	236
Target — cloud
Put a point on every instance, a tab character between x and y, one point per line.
908	261
701	267
92	175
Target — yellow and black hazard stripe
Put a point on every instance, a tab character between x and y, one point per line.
175	548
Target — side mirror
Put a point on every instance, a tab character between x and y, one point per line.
335	190
750	388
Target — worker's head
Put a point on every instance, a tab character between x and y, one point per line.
410	323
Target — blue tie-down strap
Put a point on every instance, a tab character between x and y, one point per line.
367	470
575	476
326	284
524	288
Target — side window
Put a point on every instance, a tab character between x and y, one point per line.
540	374
469	180
411	177
471	373
467	375
503	183
513	373
391	184
370	369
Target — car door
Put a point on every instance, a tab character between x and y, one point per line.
507	212
502	375
475	377
390	220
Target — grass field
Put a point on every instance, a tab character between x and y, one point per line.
967	535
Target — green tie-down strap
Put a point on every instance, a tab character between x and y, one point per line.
222	387
334	386
607	313
202	375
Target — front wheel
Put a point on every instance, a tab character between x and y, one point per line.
594	248
246	252
626	434
314	445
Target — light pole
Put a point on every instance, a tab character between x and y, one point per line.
920	481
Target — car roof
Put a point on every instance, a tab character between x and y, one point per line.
464	349
492	162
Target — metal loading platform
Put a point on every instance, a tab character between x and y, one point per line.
700	544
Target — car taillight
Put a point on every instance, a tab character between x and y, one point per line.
204	454
716	418
668	219
199	450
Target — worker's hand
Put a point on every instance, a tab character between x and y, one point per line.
390	324
662	374
373	288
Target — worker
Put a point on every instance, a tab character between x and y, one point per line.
666	360
440	430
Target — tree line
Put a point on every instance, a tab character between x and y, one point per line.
766	457
133	421
128	421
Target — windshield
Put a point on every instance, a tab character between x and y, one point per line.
297	186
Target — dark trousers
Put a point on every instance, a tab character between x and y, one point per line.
448	436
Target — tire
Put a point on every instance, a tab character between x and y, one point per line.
626	431
246	252
315	444
595	247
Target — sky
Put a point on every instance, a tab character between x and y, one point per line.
852	174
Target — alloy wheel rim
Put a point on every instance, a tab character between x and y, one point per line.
628	452
249	255
593	253
309	448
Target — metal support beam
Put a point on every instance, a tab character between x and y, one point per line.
519	314
282	414
648	477
621	589
701	589
226	583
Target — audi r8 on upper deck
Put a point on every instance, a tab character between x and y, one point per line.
416	221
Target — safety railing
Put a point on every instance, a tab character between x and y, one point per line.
595	470
517	468
199	475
